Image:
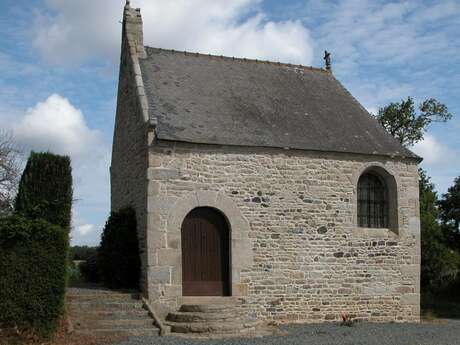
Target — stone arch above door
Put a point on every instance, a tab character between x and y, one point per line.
241	247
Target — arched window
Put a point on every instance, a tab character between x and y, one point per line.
373	209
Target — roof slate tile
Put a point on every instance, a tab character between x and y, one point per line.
206	99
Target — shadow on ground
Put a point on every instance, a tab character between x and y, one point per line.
445	332
440	308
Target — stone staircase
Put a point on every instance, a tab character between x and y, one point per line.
103	312
211	316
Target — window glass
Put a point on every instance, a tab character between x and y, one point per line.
372	201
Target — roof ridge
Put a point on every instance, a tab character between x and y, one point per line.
223	57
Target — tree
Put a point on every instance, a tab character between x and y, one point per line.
81	252
45	189
10	168
440	259
402	122
118	255
440	263
449	207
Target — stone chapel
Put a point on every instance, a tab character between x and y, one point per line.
262	183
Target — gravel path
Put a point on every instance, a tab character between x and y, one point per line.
445	332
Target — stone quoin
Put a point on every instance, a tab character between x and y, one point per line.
291	196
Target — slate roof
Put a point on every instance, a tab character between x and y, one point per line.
205	99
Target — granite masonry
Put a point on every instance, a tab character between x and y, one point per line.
297	253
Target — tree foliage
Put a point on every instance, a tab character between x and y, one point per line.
440	262
118	254
33	260
34	246
401	120
450	206
89	269
81	252
45	189
9	172
440	255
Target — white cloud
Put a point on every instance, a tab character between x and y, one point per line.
372	110
368	32
439	11
384	51
85	29
56	125
85	229
432	151
12	68
439	159
376	93
83	232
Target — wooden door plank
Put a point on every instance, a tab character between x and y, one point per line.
205	253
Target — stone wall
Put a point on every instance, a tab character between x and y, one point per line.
130	143
297	253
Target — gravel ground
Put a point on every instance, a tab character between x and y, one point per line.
444	332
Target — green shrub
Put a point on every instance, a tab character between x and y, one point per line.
33	263
89	269
82	252
45	189
74	277
118	254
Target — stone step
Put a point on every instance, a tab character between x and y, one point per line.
151	331
98	291
113	324
209	308
204	317
213	327
115	297
103	312
215	300
103	306
132	314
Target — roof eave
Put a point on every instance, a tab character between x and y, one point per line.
400	156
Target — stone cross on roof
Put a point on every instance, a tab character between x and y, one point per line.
327	59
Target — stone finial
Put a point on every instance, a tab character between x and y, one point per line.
327	59
133	28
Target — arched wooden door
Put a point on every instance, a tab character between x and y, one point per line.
205	253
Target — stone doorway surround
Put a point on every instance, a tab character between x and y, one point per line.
241	255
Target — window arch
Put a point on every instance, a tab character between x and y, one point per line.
373	201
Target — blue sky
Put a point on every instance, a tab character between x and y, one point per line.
59	68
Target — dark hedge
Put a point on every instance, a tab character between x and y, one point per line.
89	269
33	258
118	254
45	189
81	252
